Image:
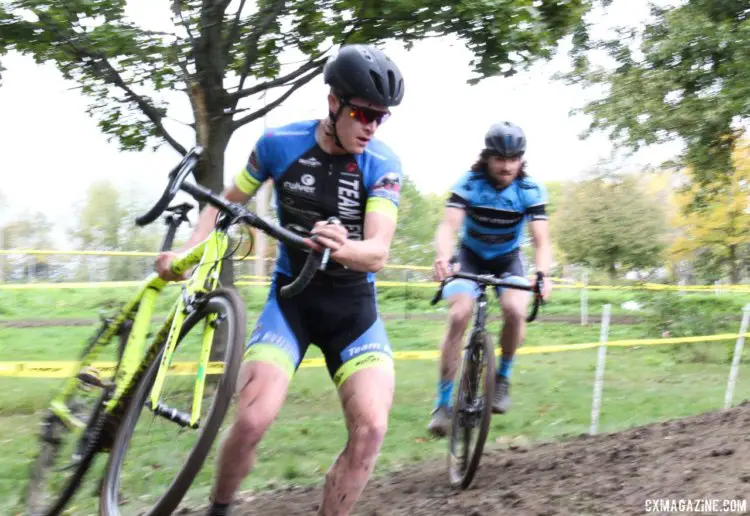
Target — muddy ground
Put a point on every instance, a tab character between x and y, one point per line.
700	457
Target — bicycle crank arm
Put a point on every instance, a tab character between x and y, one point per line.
91	377
172	414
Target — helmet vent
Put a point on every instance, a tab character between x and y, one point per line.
392	87
378	82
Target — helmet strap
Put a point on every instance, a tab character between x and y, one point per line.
334	117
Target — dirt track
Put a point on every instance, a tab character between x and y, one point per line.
701	457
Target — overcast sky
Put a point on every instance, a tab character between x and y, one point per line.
52	149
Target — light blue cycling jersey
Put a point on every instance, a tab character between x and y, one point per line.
495	217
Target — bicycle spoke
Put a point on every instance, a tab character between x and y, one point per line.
158	452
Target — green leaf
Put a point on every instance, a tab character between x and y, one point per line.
217	56
689	82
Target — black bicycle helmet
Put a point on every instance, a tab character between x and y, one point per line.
364	71
506	139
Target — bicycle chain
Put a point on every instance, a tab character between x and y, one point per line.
108	424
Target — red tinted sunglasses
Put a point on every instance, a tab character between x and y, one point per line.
365	115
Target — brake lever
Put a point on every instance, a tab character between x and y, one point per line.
327	250
538	289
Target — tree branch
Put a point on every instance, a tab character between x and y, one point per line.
276	103
279	81
234	32
177	10
182	64
107	73
273	12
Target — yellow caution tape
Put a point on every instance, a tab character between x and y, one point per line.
737	289
62	252
76	252
560	283
63	369
69	284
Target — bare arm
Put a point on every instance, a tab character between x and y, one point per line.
542	249
371	253
445	236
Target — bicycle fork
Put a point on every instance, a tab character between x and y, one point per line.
473	406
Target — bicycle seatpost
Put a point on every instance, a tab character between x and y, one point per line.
172	224
173	221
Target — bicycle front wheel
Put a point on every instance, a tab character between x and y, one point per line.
143	482
472	410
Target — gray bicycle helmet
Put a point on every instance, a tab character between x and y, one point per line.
506	139
366	72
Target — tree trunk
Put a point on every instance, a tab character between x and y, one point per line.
213	131
612	271
213	127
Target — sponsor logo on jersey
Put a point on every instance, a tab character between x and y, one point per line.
309	162
350	207
252	163
498	221
308	180
353	351
388	186
300	187
261	336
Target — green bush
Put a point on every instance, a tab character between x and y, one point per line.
671	314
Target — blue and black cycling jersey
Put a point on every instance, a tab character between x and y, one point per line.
312	185
495	217
338	311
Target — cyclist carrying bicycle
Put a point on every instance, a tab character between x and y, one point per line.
333	167
490	204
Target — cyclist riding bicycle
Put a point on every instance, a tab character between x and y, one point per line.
333	167
491	204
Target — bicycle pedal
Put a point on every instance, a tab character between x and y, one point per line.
90	376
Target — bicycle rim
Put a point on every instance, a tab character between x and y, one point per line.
221	301
472	411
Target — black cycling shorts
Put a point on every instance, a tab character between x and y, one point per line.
340	319
506	266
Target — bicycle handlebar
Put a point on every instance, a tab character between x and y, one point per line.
490	280
177	177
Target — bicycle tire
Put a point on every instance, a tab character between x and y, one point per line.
481	343
93	427
232	305
74	483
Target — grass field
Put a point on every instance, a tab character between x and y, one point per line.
551	392
84	303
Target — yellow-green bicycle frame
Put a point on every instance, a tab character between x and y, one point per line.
207	255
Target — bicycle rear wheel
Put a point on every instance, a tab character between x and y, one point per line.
71	435
230	311
472	410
